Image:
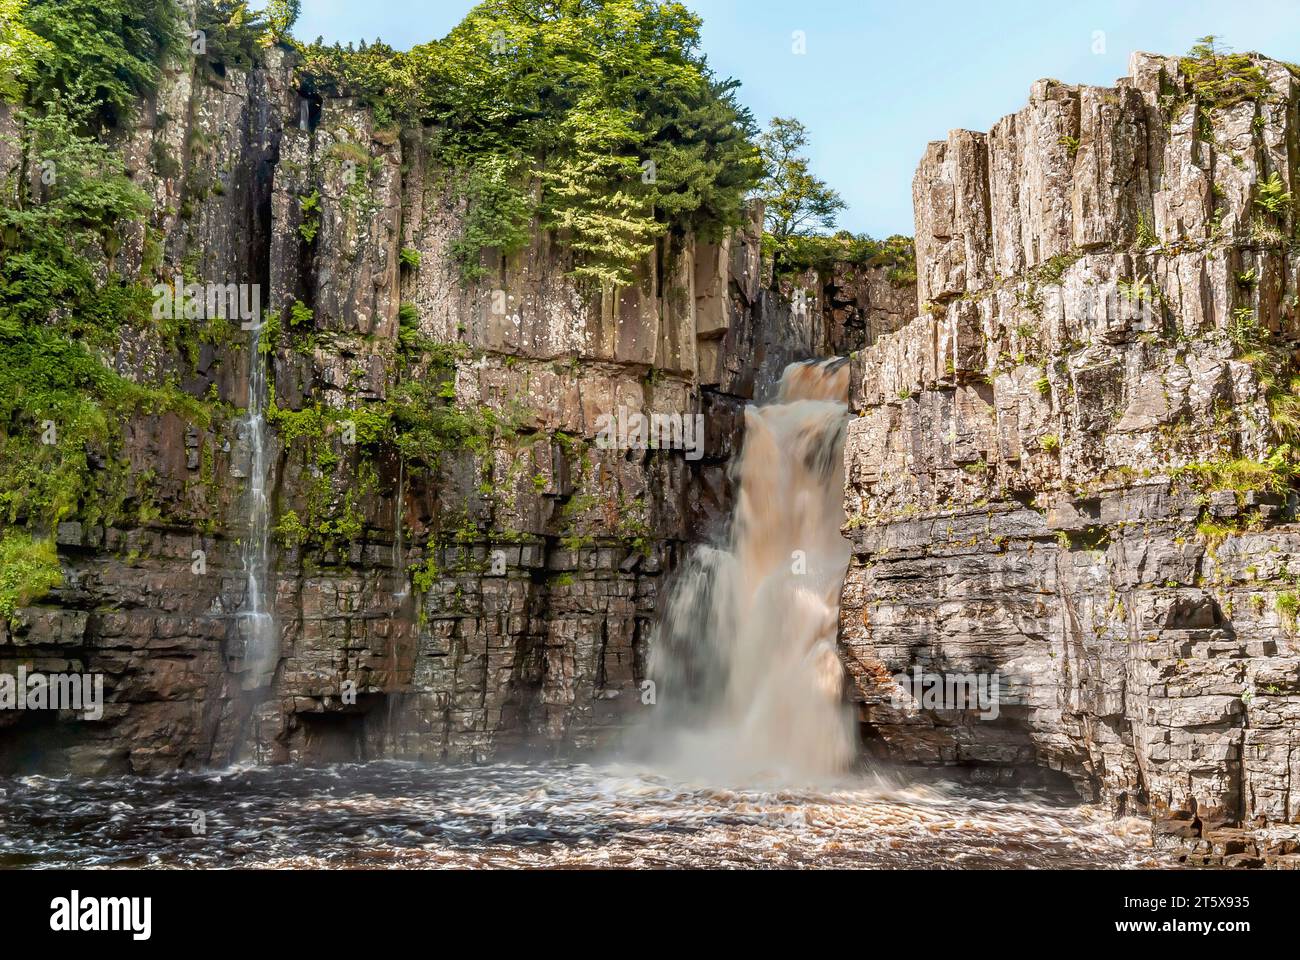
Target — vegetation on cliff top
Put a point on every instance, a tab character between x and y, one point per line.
601	120
895	255
1220	78
104	54
799	209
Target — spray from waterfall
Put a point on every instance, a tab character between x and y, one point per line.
255	620
748	681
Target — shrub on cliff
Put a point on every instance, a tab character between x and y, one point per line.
22	50
1219	78
28	570
232	33
896	255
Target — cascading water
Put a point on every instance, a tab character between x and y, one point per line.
748	680
255	620
399	552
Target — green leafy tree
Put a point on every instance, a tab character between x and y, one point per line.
596	118
64	296
232	32
54	238
20	50
797	204
376	75
104	53
281	15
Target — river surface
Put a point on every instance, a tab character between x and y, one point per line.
507	815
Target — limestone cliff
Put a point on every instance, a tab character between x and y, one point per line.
1067	471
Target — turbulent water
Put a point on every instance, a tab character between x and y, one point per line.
382	815
748	679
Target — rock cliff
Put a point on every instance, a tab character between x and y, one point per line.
1070	470
497	597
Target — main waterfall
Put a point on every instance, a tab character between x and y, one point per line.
748	682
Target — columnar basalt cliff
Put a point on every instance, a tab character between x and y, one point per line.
495	594
1070	470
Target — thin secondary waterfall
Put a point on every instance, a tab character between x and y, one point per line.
256	622
399	552
747	676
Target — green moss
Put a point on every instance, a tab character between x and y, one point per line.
1287	603
424	575
1213	533
1146	234
1053	269
29	569
290	530
1273	475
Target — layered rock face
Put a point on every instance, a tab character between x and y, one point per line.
1060	472
851	305
540	553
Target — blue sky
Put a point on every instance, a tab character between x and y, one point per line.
880	80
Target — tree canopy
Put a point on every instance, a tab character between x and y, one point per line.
599	119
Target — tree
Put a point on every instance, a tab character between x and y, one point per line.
102	52
798	204
20	50
281	15
233	33
600	118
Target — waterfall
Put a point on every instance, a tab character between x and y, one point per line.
399	551
255	620
748	680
